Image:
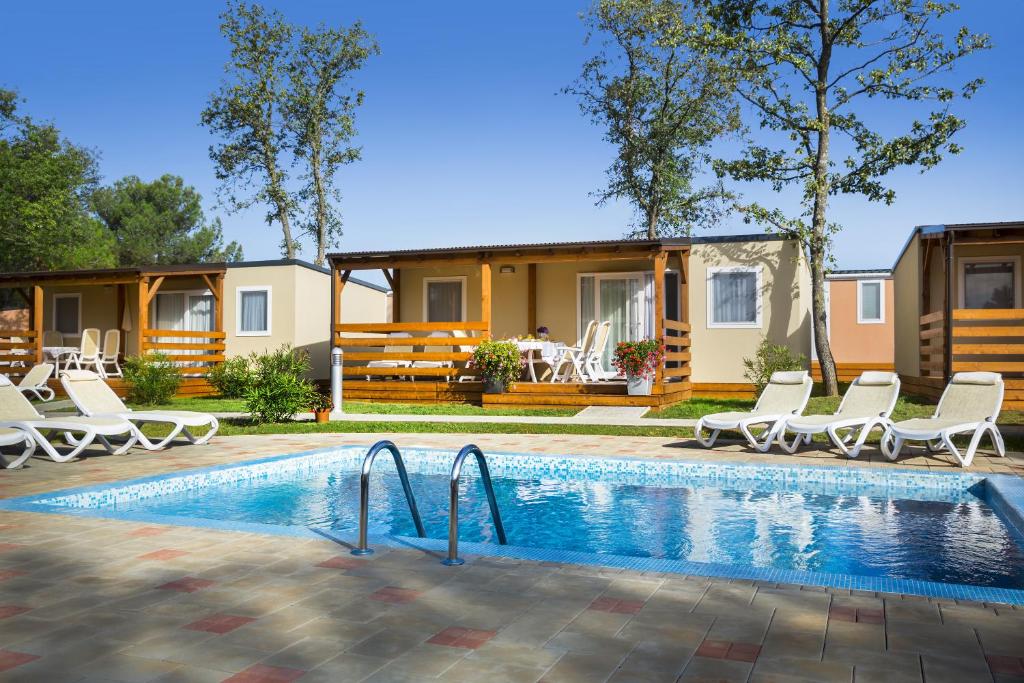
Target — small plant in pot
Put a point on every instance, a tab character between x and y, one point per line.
320	404
499	363
638	361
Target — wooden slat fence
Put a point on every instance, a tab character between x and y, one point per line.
17	352
195	352
677	350
989	339
368	346
933	342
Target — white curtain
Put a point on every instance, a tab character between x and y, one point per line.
444	301
587	310
170	311
254	311
734	297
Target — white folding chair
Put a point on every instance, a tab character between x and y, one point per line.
109	356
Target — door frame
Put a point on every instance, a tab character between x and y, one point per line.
617	275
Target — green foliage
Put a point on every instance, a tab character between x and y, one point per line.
810	73
152	379
45	185
638	358
284	104
278	388
498	361
771	358
231	378
161	222
320	401
662	102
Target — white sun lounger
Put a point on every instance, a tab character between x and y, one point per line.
969	405
9	436
865	406
17	413
785	396
94	398
34	382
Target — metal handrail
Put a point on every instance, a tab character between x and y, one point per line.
364	493
453	503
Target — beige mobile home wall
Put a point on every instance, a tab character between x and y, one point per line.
906	278
300	310
718	353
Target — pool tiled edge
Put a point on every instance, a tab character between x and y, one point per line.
1006	494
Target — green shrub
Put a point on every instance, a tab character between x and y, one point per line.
232	377
498	361
771	358
152	379
277	386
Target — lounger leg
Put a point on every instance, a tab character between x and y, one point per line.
997	441
861	438
772	432
838	441
964	460
791	447
149	445
30	448
890	447
205	437
698	433
88	435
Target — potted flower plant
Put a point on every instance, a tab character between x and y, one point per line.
542	332
499	363
638	361
320	404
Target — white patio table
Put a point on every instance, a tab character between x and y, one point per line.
530	347
56	352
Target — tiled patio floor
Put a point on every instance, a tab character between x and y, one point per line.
100	600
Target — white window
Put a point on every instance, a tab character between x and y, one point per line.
444	299
67	314
990	282
177	310
253	306
870	301
734	297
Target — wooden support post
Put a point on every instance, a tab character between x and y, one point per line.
119	307
485	296
660	259
218	302
531	298
396	290
948	308
154	288
37	320
143	321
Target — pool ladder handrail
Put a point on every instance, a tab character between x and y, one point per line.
453	558
364	493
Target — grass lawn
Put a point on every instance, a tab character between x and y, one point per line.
216	404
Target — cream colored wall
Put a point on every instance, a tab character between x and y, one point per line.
718	353
852	341
300	311
906	280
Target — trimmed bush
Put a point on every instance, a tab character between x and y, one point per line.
152	379
277	385
771	358
231	378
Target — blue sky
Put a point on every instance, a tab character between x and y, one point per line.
465	137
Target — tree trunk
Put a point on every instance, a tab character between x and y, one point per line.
652	222
278	196
819	237
321	205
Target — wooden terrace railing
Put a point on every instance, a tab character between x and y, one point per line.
17	352
202	350
677	349
435	342
984	339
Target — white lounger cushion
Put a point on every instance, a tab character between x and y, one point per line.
877	378
984	378
788	377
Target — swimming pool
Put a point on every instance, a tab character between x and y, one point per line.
886	529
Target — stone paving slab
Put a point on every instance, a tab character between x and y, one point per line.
86	599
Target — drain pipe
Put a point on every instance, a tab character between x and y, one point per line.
337	358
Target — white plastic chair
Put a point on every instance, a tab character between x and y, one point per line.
392	349
465	365
562	355
785	396
866	405
34	382
594	364
88	351
970	404
109	356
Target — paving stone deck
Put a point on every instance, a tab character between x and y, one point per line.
90	600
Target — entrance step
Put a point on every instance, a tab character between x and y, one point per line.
612	412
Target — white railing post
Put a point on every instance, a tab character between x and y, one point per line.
337	358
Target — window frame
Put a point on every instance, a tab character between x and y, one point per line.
861	320
758	322
239	291
187	293
962	262
462	279
68	295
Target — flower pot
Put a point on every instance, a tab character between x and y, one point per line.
322	416
638	386
493	386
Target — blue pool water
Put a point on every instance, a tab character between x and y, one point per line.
878	529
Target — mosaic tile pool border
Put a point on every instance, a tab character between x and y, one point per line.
1004	492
